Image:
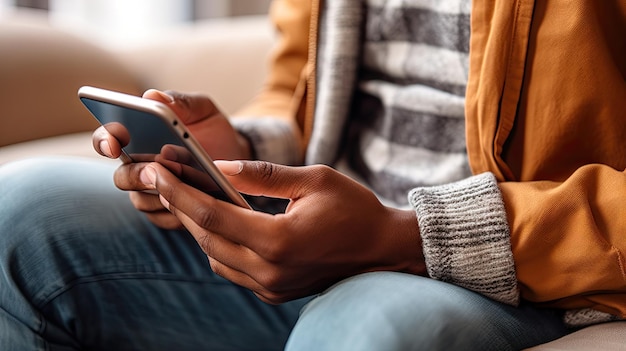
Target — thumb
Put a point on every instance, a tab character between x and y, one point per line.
261	178
190	108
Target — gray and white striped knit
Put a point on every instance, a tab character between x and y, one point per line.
407	126
390	112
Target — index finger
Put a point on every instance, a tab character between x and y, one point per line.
109	139
128	177
189	107
237	224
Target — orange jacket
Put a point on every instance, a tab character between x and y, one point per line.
546	113
545	110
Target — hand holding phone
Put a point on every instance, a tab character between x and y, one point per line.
148	130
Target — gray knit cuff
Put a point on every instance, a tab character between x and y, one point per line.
466	238
585	317
271	139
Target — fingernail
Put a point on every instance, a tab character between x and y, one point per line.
148	176
165	96
164	202
105	148
230	168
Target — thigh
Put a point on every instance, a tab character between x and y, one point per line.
84	270
394	311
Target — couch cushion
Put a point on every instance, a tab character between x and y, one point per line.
605	337
75	144
41	69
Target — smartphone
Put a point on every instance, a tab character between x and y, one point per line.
150	131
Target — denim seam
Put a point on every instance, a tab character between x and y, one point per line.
111	276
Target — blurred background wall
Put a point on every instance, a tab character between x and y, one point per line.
123	22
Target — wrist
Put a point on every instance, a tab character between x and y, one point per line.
404	228
245	145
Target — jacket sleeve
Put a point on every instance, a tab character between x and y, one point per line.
270	119
558	244
569	239
545	114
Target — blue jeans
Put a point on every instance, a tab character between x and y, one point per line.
81	269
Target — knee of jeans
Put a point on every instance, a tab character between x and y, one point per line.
39	189
31	191
371	312
33	187
42	198
47	207
22	196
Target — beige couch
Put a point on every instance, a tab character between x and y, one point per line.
42	67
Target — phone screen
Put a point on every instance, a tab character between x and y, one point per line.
148	137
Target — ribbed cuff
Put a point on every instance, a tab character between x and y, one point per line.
586	317
466	238
271	139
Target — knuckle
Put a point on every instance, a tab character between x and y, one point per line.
206	244
184	101
272	281
177	96
276	251
321	174
264	169
206	217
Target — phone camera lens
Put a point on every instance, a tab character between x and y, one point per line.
185	135
175	123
